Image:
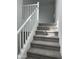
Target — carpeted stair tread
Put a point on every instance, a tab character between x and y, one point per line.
44	52
48	31
47	36
47	43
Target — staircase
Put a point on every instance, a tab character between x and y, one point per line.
45	44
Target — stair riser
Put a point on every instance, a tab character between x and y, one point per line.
43	28
46	24
45	47
47	39
40	56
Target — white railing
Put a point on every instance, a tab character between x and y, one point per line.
26	31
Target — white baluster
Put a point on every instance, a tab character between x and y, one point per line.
25	34
20	39
27	31
23	37
38	11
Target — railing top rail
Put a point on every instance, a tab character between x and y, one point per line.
31	5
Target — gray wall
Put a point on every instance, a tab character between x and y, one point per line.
46	9
46	13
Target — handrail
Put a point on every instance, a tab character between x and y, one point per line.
31	5
26	21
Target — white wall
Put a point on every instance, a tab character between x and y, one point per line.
23	12
19	13
59	19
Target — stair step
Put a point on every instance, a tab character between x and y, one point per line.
43	32
43	53
36	56
46	38
46	45
51	30
47	24
46	27
30	58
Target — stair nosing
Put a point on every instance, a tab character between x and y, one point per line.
45	36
